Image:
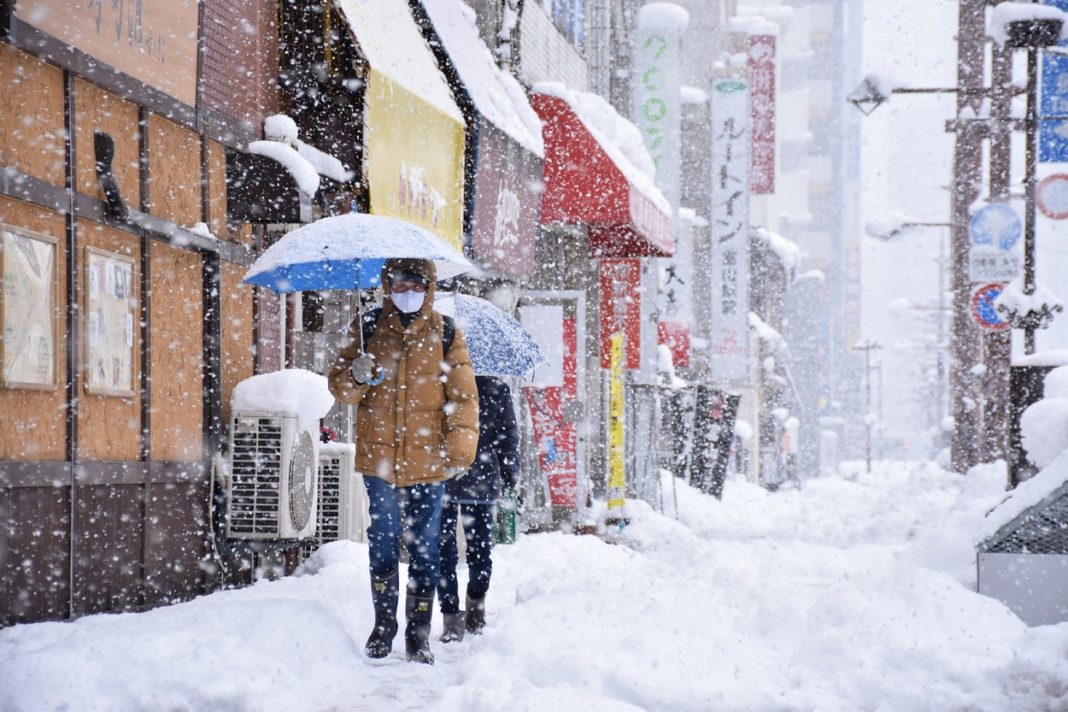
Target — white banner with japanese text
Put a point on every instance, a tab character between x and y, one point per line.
730	230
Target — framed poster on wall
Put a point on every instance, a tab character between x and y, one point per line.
110	316
29	300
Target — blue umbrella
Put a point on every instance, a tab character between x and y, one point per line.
498	344
347	252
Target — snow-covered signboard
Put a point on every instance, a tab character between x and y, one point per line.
762	107
730	230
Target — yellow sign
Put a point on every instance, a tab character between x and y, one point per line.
415	159
617	482
154	41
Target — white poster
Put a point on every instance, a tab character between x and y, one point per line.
730	230
29	342
110	306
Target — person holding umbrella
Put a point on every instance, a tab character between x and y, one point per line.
470	499
407	369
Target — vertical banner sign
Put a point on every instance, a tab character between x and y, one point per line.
1053	102
762	109
730	230
617	482
656	99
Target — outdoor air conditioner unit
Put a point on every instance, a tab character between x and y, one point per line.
272	487
342	499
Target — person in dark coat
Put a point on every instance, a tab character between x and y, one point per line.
471	499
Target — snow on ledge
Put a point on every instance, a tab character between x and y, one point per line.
300	168
1026	495
1051	357
292	390
1008	12
663	16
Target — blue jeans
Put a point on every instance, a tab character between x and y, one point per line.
421	506
478	532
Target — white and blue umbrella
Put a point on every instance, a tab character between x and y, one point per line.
498	344
348	252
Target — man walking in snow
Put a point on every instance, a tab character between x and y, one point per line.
470	499
416	426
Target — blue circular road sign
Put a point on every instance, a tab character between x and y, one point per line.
996	225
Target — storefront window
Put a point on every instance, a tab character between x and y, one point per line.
569	16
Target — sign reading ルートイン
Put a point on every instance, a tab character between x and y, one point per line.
154	41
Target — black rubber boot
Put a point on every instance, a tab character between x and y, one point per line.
384	594
476	614
419	609
453	629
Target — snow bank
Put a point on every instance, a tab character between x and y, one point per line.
291	390
846	595
1055	384
1044	427
619	138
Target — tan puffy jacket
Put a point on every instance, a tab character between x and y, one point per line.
423	417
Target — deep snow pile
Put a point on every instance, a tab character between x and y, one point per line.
853	593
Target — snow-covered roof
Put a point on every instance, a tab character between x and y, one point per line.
400	53
1027	494
766	332
787	250
496	94
619	138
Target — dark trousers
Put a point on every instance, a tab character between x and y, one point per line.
478	532
421	507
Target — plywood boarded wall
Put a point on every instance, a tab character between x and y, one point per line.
177	354
238	350
174	172
97	109
31	116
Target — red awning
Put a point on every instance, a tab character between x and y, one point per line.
584	185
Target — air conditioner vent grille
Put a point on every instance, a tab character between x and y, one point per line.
256	478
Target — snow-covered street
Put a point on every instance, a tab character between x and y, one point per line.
853	593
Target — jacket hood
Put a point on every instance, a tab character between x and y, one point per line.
426	268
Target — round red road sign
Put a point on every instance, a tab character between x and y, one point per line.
983	311
1051	195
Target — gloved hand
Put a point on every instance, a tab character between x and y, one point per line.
455	472
364	369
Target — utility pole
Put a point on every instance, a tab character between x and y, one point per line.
966	345
867	347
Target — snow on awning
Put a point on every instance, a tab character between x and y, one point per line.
598	172
496	95
393	45
280	127
304	174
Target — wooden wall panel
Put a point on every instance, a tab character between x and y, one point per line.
173	172
33	425
108	533
36	530
109	426
177	354
97	108
32	116
176	539
238	347
217	190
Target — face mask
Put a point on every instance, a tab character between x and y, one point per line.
408	302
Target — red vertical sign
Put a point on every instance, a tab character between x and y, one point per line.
621	309
555	437
762	113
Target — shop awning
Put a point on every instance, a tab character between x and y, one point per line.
414	143
598	172
505	148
